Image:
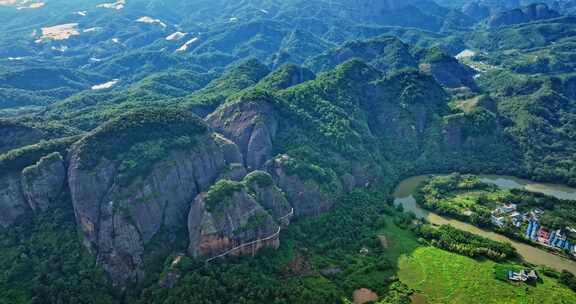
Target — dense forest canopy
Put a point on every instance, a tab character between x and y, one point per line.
164	151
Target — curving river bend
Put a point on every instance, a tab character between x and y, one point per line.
403	195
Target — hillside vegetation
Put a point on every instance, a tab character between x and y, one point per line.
163	151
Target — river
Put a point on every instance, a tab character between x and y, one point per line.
403	195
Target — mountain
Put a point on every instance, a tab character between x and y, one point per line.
147	147
525	14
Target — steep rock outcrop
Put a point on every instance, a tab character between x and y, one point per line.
269	196
306	186
227	220
12	201
251	124
234	171
43	182
30	180
122	203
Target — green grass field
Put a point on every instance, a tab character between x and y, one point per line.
468	200
400	241
444	277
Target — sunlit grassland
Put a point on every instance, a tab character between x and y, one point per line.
444	277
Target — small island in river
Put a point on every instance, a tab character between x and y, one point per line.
538	219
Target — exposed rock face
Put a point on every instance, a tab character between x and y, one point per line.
529	13
252	125
43	182
269	196
235	172
12	201
118	220
229	221
305	194
35	188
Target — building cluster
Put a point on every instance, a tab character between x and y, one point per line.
551	238
508	213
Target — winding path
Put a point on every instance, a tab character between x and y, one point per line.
274	235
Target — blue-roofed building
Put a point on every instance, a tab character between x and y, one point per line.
552	240
534	233
529	229
559	239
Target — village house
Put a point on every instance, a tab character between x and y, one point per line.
497	220
505	209
523	275
543	236
532	230
556	239
500	214
516	218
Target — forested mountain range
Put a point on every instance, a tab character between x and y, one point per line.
136	135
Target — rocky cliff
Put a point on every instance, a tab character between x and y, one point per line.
43	182
235	178
309	188
122	203
250	123
12	201
34	188
227	220
269	196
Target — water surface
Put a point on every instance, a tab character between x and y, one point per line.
403	194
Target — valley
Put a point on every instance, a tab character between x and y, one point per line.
267	151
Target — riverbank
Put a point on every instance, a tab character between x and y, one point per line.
403	195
